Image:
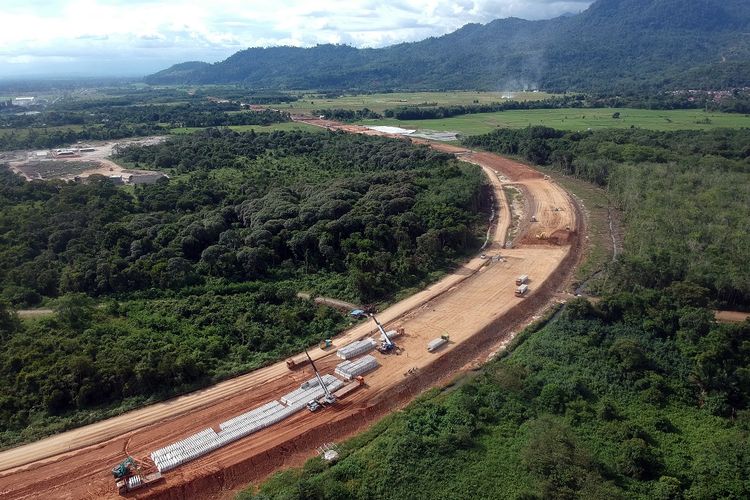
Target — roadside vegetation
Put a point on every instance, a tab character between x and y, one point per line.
641	395
196	276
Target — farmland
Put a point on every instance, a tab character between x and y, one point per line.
381	102
576	119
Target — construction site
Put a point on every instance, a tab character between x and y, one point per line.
209	443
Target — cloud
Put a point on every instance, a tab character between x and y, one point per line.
139	34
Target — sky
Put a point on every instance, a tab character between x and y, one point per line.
139	37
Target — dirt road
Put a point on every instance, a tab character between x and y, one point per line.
475	306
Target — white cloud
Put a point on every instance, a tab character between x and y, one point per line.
146	35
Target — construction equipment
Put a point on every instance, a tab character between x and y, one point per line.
124	468
350	387
522	279
129	476
387	344
328	399
325	344
292	363
435	344
521	290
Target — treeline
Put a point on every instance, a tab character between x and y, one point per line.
727	102
42	138
641	396
685	196
348	115
204	114
437	112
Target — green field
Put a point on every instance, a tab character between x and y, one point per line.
381	102
257	128
576	119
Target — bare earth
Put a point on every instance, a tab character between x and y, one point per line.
475	306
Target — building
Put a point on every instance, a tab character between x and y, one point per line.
23	101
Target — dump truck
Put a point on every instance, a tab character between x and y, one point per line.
522	279
435	344
294	363
521	290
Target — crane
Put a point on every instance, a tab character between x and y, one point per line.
387	344
329	398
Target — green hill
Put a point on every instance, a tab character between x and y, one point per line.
614	45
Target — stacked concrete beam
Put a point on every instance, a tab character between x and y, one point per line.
357	348
303	396
351	369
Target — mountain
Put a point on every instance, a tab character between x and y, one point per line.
614	45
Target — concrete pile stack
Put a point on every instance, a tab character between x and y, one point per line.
357	348
307	392
351	369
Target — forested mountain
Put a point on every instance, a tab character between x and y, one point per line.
614	45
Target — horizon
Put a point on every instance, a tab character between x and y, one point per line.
78	39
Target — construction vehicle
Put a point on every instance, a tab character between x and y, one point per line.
352	386
328	399
435	344
129	476
533	218
293	364
386	345
124	468
521	290
522	279
326	344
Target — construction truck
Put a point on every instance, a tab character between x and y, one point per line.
326	344
522	279
129	476
328	398
386	345
293	363
350	387
522	290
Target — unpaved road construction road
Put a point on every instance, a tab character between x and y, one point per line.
475	306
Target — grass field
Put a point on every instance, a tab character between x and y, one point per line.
381	102
576	119
257	128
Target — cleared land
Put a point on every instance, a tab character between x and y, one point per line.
576	119
475	305
381	102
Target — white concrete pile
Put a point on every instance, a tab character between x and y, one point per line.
356	348
267	408
351	369
134	482
241	428
308	392
190	448
206	441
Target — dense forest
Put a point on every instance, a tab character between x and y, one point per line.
613	46
641	396
685	196
197	274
